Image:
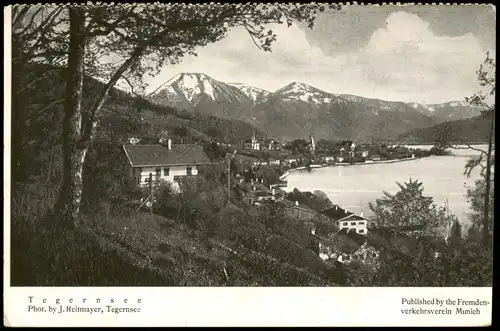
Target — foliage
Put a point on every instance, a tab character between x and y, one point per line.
316	201
409	207
485	160
298	147
428	263
213	151
105	174
270	174
475	195
426	260
456	231
141	40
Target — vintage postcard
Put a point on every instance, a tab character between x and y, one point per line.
239	164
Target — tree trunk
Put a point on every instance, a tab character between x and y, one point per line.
17	113
68	205
486	231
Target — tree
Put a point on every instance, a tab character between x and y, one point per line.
32	28
456	231
299	146
476	197
141	39
181	131
213	151
485	160
409	207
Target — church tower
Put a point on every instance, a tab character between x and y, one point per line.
313	145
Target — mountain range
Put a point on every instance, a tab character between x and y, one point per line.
298	109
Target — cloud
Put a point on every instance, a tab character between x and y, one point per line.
407	58
404	60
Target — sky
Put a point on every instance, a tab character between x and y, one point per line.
425	54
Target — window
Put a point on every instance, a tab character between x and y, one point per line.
361	223
345	223
166	172
138	179
361	230
189	171
353	223
158	172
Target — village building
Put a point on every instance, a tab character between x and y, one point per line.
362	152
259	196
247	145
252	144
274	145
302	212
344	219
163	161
328	159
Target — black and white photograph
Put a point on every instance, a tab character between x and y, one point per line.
250	145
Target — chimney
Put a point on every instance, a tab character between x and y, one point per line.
169	144
296	203
361	214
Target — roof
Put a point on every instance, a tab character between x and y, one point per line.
353	216
159	155
292	204
262	193
335	212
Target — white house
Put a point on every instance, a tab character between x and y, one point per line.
353	221
344	219
163	162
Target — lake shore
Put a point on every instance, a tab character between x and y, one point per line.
313	166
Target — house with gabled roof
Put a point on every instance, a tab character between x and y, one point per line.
344	219
164	162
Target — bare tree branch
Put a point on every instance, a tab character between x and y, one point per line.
30	23
131	86
110	27
18	17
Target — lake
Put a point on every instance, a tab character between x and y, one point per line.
354	186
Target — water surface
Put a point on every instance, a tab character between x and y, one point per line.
354	186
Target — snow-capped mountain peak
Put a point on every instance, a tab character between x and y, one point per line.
189	90
254	93
192	84
303	92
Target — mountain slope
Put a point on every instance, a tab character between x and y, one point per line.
297	109
470	130
126	113
448	111
203	94
256	94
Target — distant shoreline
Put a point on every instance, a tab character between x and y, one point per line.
432	144
314	166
